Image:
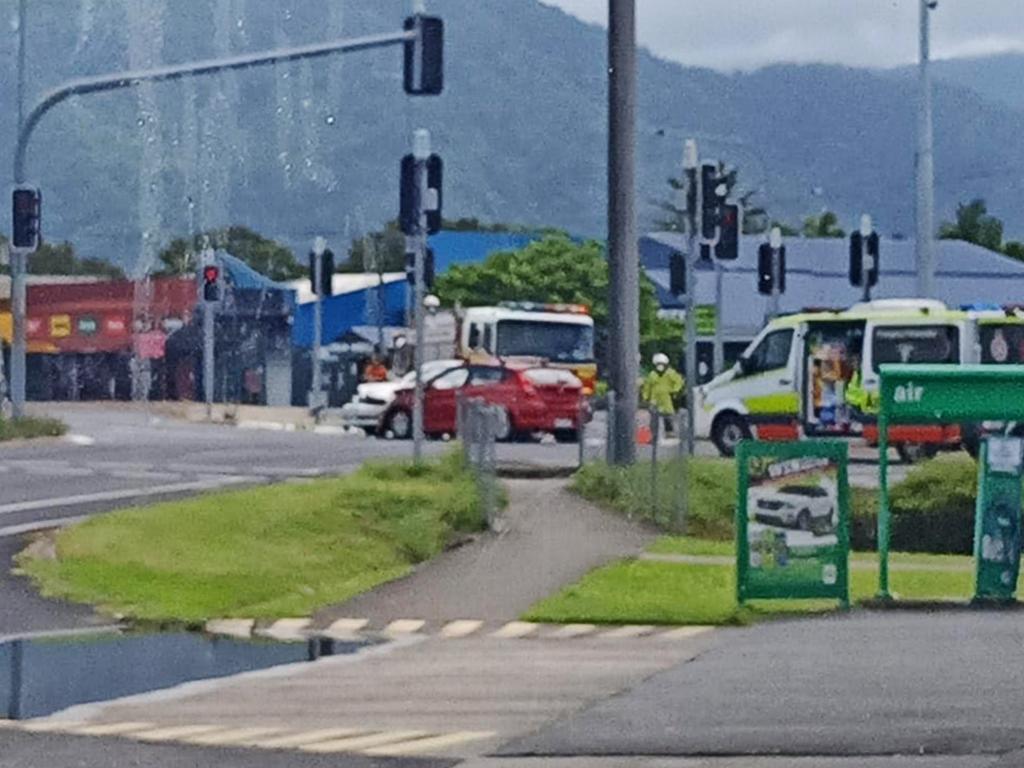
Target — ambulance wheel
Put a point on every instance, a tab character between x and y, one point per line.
728	431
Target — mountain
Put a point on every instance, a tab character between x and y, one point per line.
313	148
996	78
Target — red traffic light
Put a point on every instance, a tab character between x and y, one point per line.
211	273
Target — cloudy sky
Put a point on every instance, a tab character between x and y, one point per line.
745	34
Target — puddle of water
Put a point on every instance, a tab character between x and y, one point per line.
43	675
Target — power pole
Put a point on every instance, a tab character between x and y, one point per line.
693	205
925	169
420	153
623	263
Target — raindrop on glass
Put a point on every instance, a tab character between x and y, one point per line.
329	119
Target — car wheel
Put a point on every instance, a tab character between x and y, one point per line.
912	453
400	425
503	429
803	520
567	435
729	430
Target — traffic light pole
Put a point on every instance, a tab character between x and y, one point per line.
719	350
690	169
420	151
317	386
209	372
121	80
865	275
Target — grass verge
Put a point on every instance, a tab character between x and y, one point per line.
30	427
266	552
652	592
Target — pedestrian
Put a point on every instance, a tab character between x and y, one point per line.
375	370
659	389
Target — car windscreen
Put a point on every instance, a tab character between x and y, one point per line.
915	344
562	342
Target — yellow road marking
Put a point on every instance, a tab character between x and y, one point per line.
345	627
461	628
356	743
682	633
516	629
629	630
232	736
111	729
404	626
420	746
573	630
306	737
49	726
176	732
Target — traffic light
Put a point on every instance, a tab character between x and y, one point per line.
713	193
408	209
211	283
27	206
858	250
428	268
765	271
424	56
728	248
677	273
872	259
326	287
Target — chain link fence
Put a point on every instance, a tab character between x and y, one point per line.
479	425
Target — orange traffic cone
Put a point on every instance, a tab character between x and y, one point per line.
643	435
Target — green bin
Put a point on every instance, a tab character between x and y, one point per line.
998	519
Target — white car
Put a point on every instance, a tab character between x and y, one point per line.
805	507
372	398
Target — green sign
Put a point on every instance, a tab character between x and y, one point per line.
792	530
923	394
997	518
706	319
87	326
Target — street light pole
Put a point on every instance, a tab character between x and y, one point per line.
317	387
623	263
925	169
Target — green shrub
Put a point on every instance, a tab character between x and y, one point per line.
28	427
932	509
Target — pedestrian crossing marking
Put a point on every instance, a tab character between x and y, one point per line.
429	744
460	628
48	726
347	627
358	743
682	633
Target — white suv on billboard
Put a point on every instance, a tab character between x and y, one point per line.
804	507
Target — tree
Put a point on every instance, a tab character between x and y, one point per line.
826	224
266	256
552	269
60	259
673	214
1014	249
974	225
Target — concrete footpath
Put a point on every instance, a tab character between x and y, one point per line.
550	537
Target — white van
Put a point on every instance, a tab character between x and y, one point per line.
794	380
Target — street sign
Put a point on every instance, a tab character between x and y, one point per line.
792	521
150	345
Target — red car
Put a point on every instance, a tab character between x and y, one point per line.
533	399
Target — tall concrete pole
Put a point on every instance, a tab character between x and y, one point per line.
317	386
925	169
421	153
19	260
623	262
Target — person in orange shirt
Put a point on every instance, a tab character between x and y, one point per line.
375	370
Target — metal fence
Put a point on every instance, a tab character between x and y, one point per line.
479	425
661	476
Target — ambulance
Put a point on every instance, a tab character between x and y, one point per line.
816	375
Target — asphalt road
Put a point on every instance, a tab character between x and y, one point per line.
863	685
